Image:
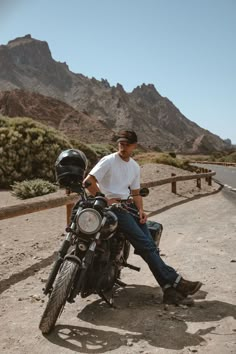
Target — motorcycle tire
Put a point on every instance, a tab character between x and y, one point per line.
59	295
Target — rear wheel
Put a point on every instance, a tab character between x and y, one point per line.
59	295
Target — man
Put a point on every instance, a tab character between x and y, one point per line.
115	175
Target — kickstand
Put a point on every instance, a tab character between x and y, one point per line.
109	302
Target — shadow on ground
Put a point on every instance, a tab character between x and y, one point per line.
25	273
140	317
183	201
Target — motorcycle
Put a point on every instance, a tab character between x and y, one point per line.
92	254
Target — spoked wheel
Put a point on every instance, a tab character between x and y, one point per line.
59	295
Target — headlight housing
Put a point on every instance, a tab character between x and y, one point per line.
89	221
111	223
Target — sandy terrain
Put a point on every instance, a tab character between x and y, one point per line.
27	250
30	235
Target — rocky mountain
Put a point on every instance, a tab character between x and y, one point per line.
55	113
27	64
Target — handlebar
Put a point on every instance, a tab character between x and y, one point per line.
123	206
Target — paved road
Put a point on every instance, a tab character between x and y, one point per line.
225	175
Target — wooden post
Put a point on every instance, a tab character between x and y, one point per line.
198	180
206	171
199	183
173	184
209	181
69	208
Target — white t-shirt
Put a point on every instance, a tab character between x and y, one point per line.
115	176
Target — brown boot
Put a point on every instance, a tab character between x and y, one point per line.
172	297
186	287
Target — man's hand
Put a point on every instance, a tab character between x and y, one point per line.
142	217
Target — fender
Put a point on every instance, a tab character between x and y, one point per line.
73	258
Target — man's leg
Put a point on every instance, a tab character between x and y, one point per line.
140	238
184	287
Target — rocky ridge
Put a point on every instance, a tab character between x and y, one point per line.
27	64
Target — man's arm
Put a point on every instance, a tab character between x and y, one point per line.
93	188
138	201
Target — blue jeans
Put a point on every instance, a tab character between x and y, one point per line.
141	239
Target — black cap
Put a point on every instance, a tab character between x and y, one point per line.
128	136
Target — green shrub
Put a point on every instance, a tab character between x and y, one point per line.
162	158
32	188
140	150
90	153
224	156
166	159
229	158
157	148
172	154
199	157
28	150
103	149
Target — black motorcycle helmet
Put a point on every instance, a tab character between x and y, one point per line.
70	167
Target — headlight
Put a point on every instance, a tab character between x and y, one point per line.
89	221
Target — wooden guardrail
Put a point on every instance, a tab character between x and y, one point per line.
37	204
216	163
174	179
48	202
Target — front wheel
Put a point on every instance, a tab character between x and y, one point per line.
59	295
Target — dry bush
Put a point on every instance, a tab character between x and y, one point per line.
32	188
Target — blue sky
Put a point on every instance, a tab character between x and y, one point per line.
186	48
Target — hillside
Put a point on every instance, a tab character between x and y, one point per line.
55	113
27	64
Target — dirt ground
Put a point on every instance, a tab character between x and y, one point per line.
142	324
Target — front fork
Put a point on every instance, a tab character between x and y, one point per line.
61	255
84	266
60	258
